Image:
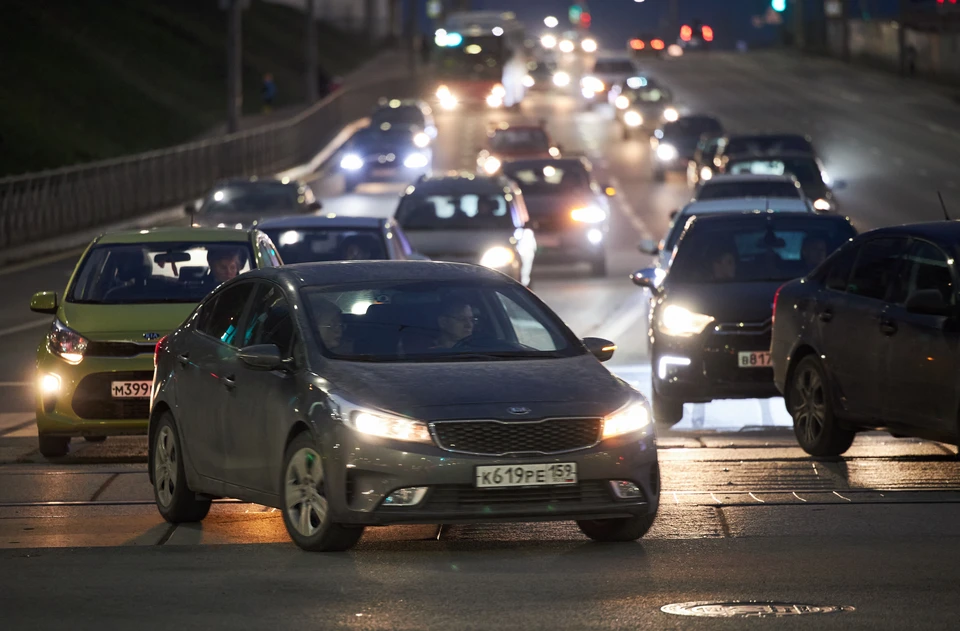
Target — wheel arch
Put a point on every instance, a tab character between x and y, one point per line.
798	355
159	408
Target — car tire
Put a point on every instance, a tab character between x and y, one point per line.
175	501
94	439
667	412
54	446
810	403
598	267
306	511
617	530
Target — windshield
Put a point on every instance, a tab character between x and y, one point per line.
519	138
253	197
614	66
548	179
476	58
440	321
686	128
767	144
455	212
728	190
761	250
649	95
145	273
404	115
308	245
379	137
805	170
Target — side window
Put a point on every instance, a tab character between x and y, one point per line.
838	270
527	329
876	267
925	267
269	251
224	317
270	321
396	249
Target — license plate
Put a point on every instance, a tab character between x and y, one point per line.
549	241
754	359
131	389
383	172
493	477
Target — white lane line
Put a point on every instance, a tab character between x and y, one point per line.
27	326
842	497
798	497
756	498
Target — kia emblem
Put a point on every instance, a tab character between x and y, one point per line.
519	409
151	336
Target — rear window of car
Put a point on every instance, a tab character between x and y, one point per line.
254	197
767	144
805	170
309	245
471	211
728	190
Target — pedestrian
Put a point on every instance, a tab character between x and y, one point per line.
268	92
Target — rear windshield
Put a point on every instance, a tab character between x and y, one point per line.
455	212
805	170
728	190
157	272
767	144
403	115
309	245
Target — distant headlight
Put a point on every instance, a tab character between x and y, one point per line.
416	161
631	418
666	153
589	45
554	152
633	119
590	214
706	173
593	84
548	41
622	102
498	90
822	204
421	140
494	101
566	46
443	91
561	79
529	82
492	165
449	102
671	114
680	322
497	257
351	162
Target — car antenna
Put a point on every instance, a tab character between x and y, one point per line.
943	205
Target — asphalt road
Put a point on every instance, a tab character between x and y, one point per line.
744	516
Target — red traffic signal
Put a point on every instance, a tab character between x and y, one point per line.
707	33
585	19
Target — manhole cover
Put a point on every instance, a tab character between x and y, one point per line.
750	609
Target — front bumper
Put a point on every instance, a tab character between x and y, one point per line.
572	245
84	405
365	471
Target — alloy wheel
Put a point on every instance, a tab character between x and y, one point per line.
165	465
306	506
809	408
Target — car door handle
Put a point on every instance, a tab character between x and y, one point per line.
229	382
183	358
826	315
888	327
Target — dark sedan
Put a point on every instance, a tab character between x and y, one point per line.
675	144
240	202
386	153
384	392
711	315
808	170
870	340
318	239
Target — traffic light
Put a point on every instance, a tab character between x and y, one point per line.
574	14
585	19
778	5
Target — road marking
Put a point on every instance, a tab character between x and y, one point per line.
627	209
756	498
27	326
798	497
842	497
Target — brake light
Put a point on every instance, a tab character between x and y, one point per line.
776	296
158	349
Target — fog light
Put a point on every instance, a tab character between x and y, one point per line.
669	366
410	496
50	384
625	489
594	236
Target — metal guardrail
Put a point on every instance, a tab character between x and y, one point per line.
53	203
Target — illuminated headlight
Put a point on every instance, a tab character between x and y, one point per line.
351	162
666	153
528	81
443	91
421	139
589	45
622	102
631	418
449	102
548	41
593	84
671	114
416	161
590	214
66	343
497	257
706	173
822	204
677	321
633	119
494	101
392	427
498	91
587	93
49	384
492	165
594	236
561	79
554	152
566	46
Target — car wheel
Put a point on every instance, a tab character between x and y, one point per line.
667	412
598	267
814	422
306	511
175	501
94	439
617	530
54	446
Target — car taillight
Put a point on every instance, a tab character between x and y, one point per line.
776	296
158	349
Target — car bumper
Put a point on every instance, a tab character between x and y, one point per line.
370	471
571	245
83	404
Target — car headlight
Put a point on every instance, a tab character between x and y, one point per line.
498	257
351	162
561	79
706	173
494	101
822	204
421	139
633	417
589	45
548	41
498	90
415	161
593	84
491	165
590	214
633	119
529	82
677	321
66	343
379	424
671	114
443	91
667	153
622	102
566	46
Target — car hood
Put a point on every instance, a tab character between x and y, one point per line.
726	302
124	323
563	203
459	244
575	386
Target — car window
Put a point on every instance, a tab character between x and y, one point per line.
401	238
254	197
767	144
402	115
270	320
876	267
455	212
166	272
713	189
925	267
838	271
309	245
548	179
527	329
226	309
805	170
269	251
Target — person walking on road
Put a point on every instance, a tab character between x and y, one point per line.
268	92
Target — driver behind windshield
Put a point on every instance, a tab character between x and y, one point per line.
455	322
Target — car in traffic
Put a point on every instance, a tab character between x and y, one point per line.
569	210
675	143
768	143
514	142
749	185
610	68
338	238
386	153
241	202
869	340
540	75
701	166
468	218
806	168
95	364
360	394
642	103
711	308
405	112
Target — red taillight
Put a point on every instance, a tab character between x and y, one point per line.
773	316
158	349
707	33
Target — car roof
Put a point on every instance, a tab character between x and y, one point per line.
344	272
466	182
937	231
157	235
322	221
763	156
746	204
750	216
748	177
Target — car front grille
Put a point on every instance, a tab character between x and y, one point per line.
497	438
92	398
744	328
118	349
467	499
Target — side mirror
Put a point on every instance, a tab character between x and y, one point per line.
262	357
190	208
315	205
928	302
646	278
600	348
44	302
649	246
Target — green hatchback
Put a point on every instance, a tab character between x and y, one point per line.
95	365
